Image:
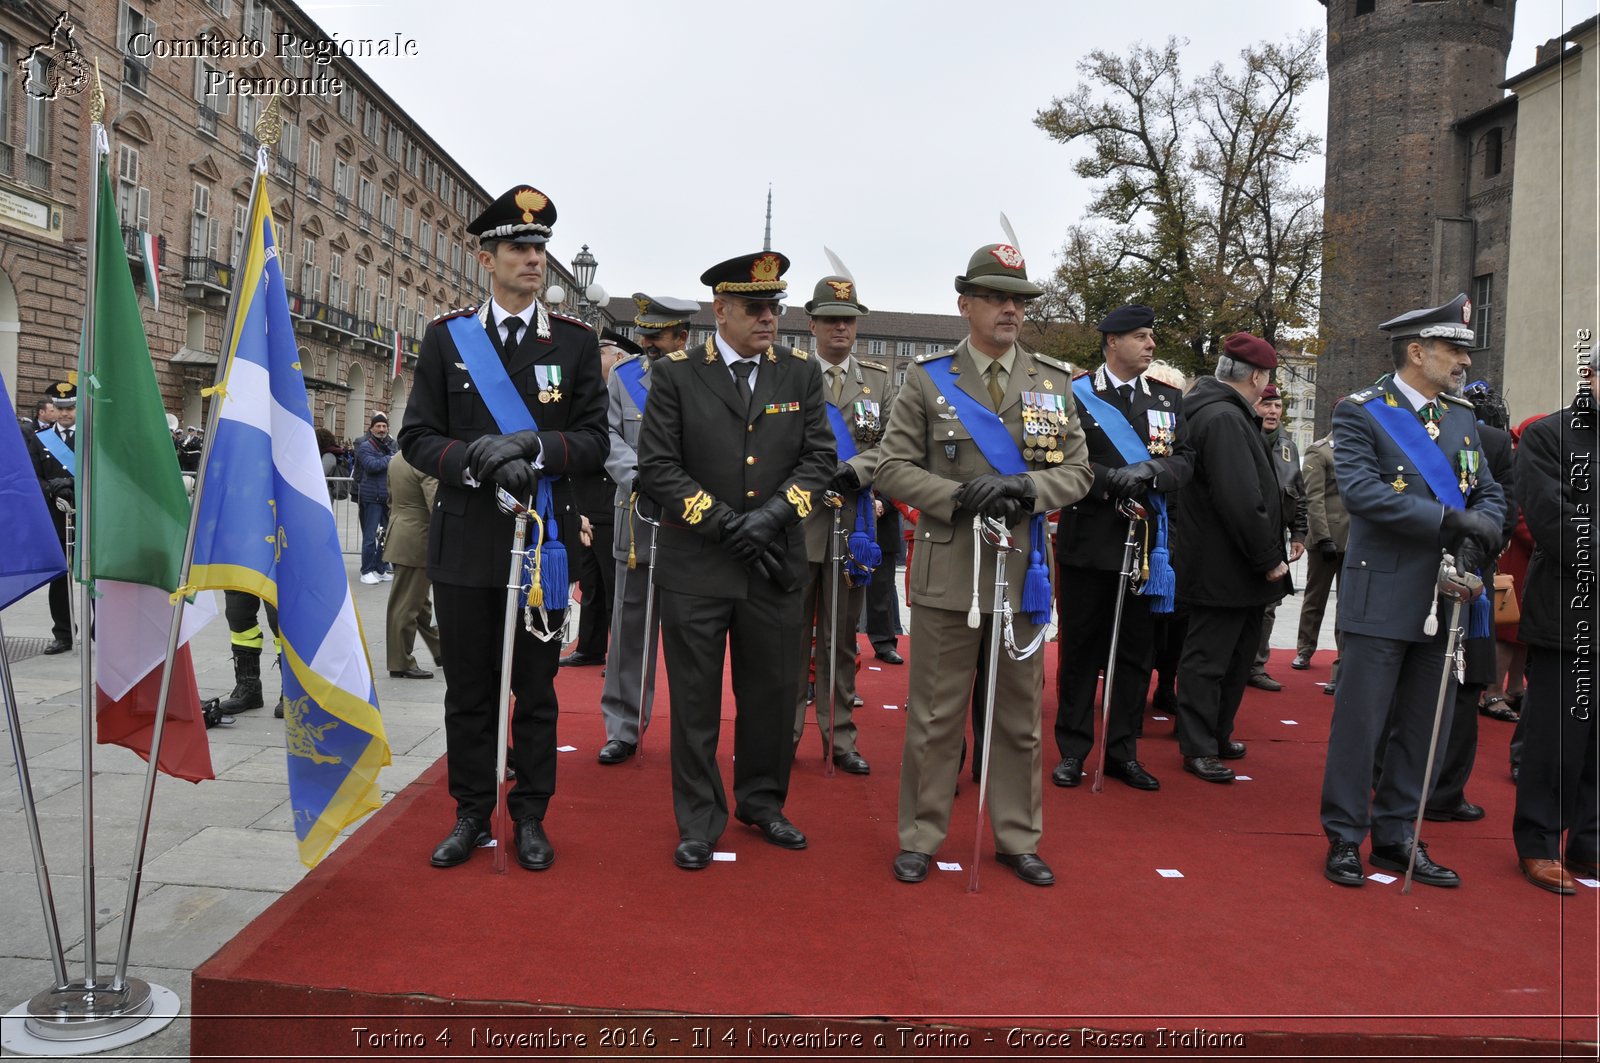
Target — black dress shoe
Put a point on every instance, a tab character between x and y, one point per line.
692	854
1393	858
534	850
856	702
1208	768
852	763
1263	681
1165	701
1465	812
891	656
1230	750
1344	865
1330	689
57	646
1029	868
411	673
579	660
1068	773
911	867
1133	773
779	832
467	835
615	752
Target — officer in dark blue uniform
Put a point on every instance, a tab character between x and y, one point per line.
1413	476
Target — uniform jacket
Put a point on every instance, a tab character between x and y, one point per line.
1391	563
863	382
1231	533
1286	462
411	497
1502	462
927	453
1325	514
704	456
1092	532
45	465
372	467
469	540
1556	477
623	421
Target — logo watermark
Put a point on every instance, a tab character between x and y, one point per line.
63	71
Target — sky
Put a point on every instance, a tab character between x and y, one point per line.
894	132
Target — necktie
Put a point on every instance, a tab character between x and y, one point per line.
741	373
513	326
837	373
996	392
1125	393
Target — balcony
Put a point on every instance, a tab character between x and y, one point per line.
207	122
314	188
8	159
364	219
327	322
248	144
405	246
131	241
341	204
424	260
36	171
388	235
205	280
297	303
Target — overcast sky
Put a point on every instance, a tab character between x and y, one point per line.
893	131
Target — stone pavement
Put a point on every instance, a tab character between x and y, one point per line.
218	853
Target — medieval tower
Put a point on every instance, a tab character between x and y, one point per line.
1418	150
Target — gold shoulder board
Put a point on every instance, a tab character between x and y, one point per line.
679	356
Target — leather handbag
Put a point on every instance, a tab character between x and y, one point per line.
1507	610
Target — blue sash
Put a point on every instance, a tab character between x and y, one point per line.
1402	425
631	374
58	450
865	553
841	432
994	442
1163	583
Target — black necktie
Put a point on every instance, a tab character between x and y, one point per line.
741	372
1125	393
513	326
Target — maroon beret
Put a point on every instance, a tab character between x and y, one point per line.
1253	350
1270	393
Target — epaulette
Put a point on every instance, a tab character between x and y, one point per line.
1457	399
626	359
1056	362
802	355
931	355
1363	396
678	356
572	321
879	366
458	312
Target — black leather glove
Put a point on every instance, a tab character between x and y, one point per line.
980	495
1012	511
1131	481
1020	487
770	562
1328	549
519	478
486	454
1471	557
757	530
844	479
1460	524
61	487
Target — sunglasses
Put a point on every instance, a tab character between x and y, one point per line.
1000	299
758	307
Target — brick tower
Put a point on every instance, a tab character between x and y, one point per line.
1401	75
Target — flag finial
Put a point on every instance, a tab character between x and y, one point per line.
269	127
97	97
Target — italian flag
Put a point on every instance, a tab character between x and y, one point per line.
137	515
152	267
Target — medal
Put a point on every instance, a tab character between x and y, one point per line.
544	395
1399	484
1431	415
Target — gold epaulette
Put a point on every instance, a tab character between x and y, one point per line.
572	321
458	312
678	356
802	355
1053	362
879	366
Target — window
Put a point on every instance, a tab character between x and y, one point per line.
933	348
36	137
413	157
441	246
314	162
366	202
133	202
310	275
371	119
194	330
213	102
402	312
409	226
1364	7
899	378
249	110
383	301
424	237
394	139
336	280
389	209
1492	151
904	349
347	104
135	69
876	347
363	297
257	21
238	234
205	232
342	174
5	106
1483	310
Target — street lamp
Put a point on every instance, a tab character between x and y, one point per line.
590	295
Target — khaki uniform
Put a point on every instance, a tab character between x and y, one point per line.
867	383
406	548
926	454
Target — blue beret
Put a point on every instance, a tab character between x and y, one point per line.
1127	319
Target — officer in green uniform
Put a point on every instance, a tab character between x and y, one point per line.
931	459
855	390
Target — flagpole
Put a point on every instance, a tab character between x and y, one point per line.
268	128
30	812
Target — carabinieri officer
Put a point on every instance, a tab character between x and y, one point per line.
508	395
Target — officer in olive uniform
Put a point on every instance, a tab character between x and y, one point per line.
1091	541
737	451
1407	455
855	390
553	366
1328	530
51	450
661	326
930	459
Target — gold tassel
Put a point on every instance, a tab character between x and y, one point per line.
536	591
633	502
1145	577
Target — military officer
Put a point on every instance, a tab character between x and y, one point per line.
948	454
660	326
1146	452
508	395
736	450
855	390
52	451
1328	530
1414	480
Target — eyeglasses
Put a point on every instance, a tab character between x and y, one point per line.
757	307
999	299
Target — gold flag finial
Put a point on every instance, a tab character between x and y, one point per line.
97	97
269	127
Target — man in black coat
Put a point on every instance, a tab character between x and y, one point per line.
1090	544
1556	792
547	366
1231	560
52	450
736	450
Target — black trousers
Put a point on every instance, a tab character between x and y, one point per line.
759	633
1217	654
61	586
1556	788
596	572
1461	752
1087	602
471	636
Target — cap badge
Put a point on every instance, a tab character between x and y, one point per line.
1008	256
1466	312
531	203
765	268
643	305
841	290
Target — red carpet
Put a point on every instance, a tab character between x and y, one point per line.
1250	942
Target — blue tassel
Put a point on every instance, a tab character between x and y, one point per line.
1036	586
865	555
1162	586
552	555
1481	626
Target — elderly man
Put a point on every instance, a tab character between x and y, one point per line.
372	493
1231	561
1286	462
1414	480
509	396
986	430
736	450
